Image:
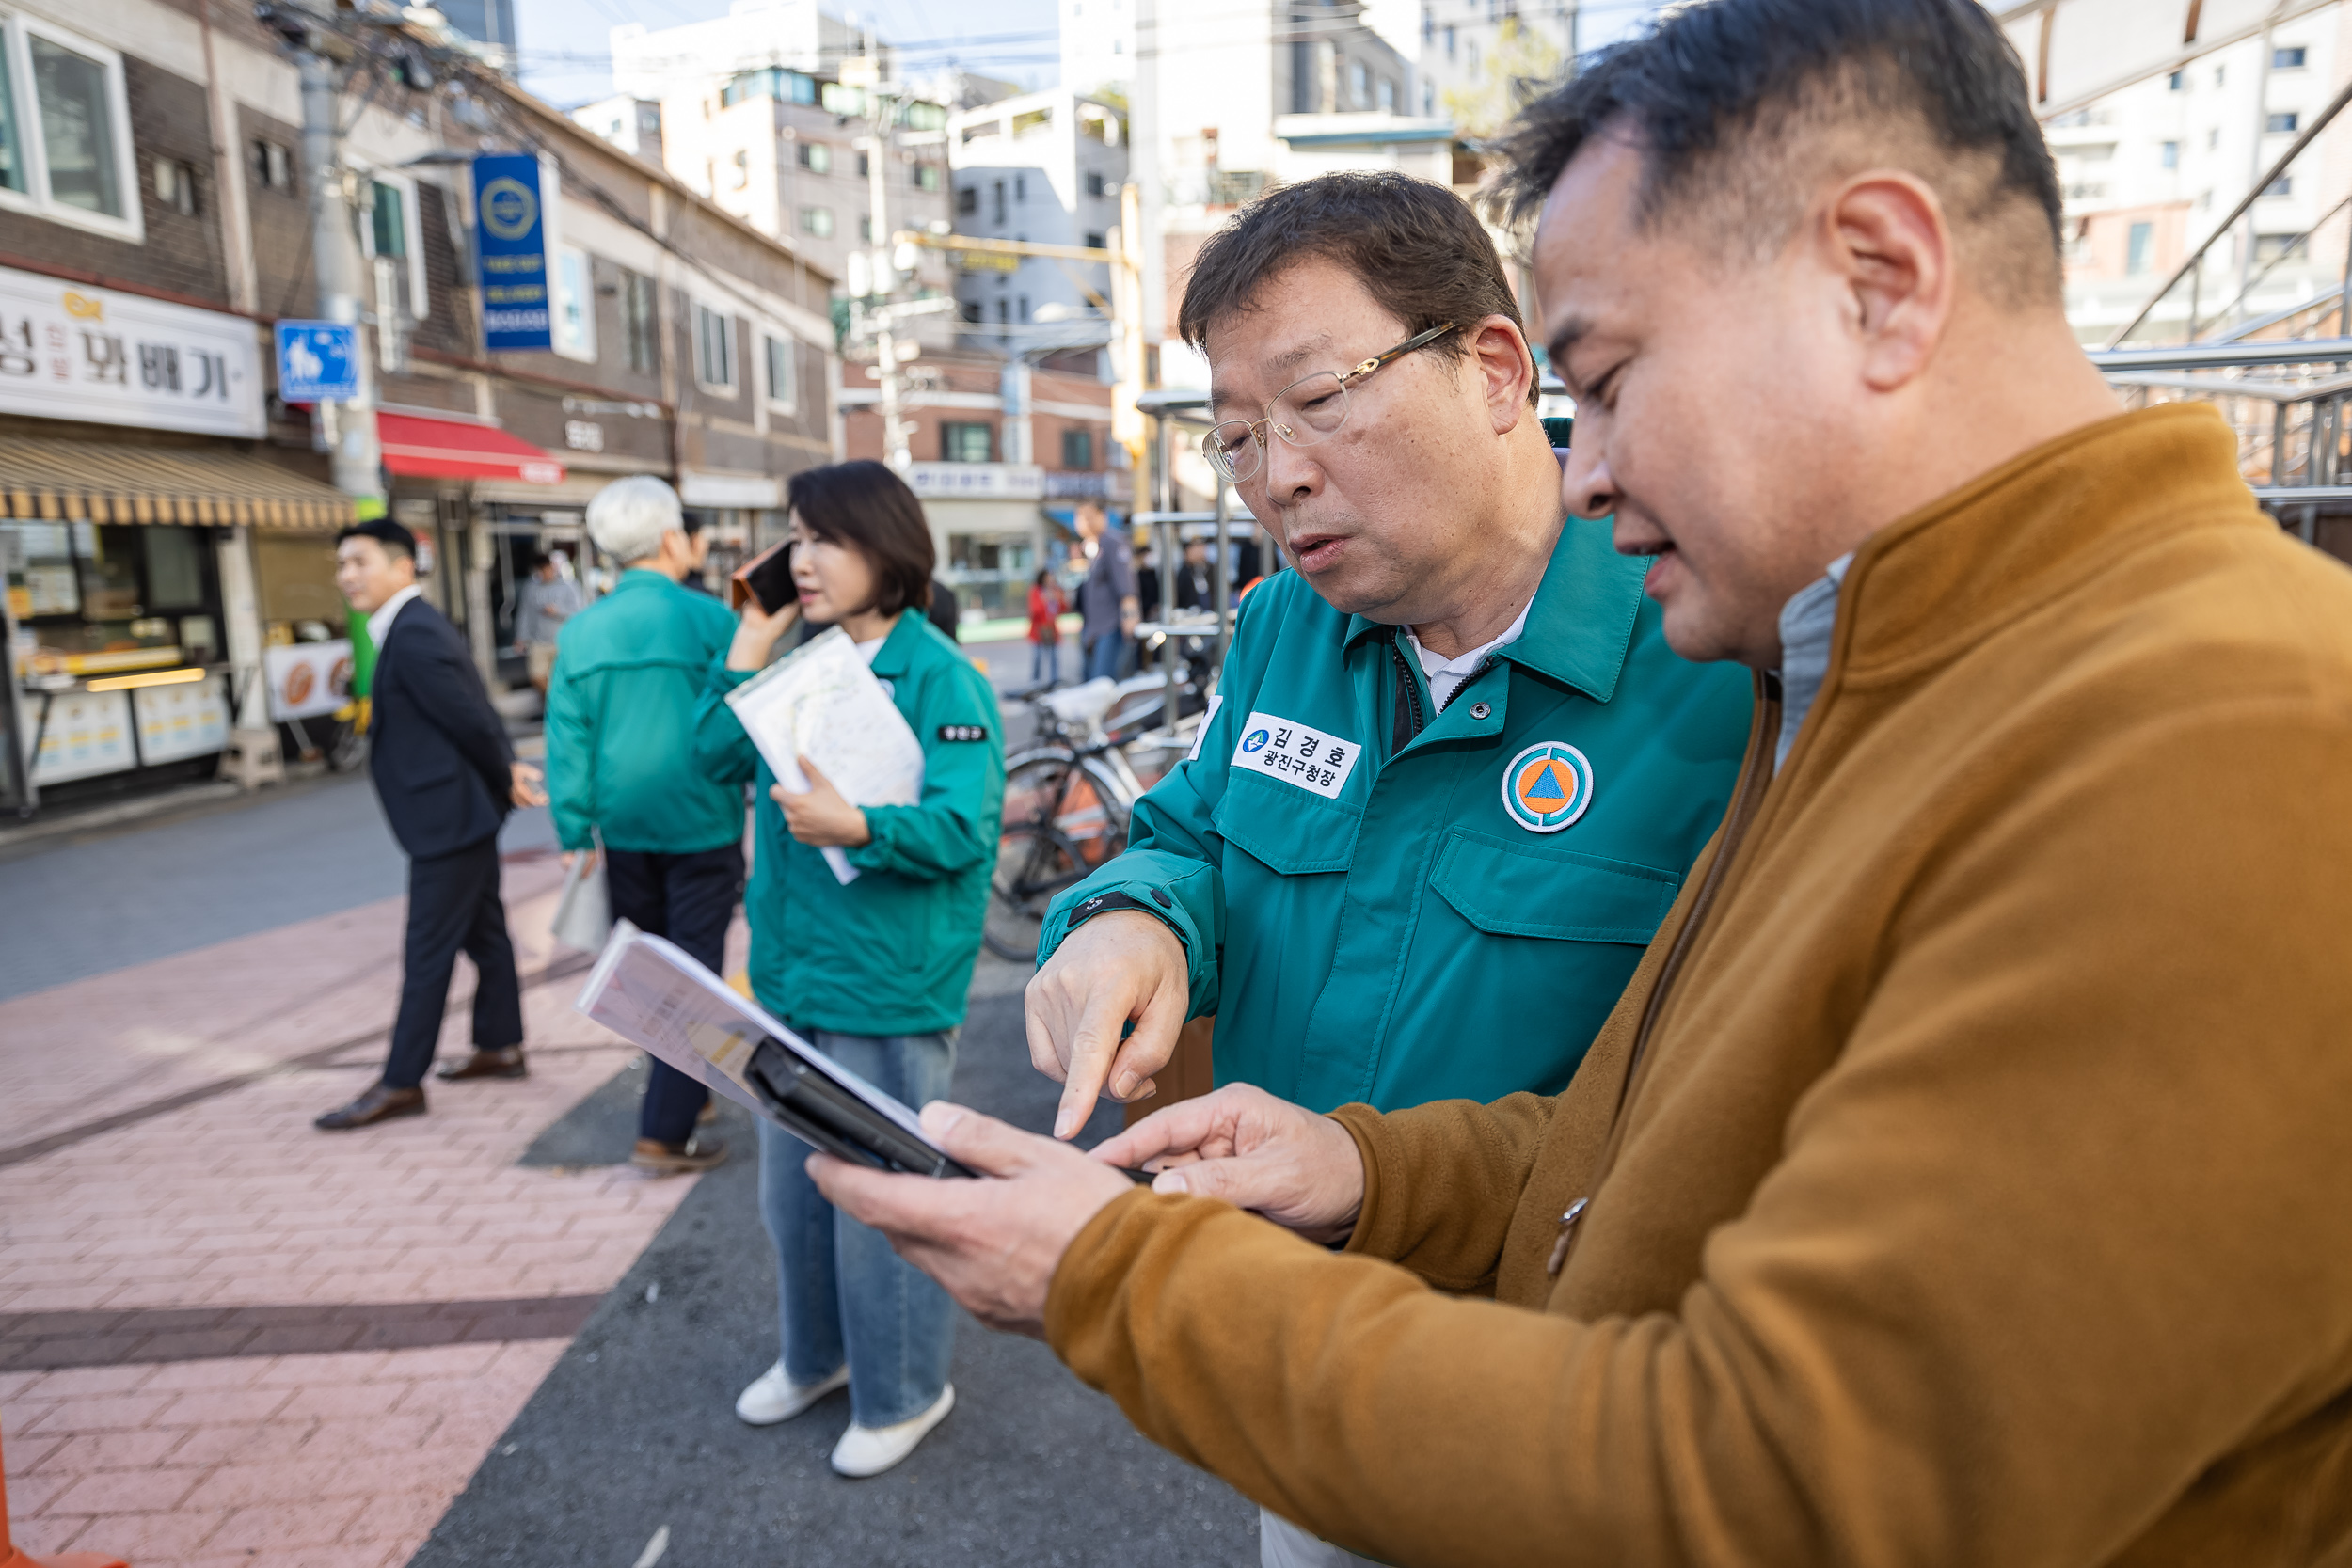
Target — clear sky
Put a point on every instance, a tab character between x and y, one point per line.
565	56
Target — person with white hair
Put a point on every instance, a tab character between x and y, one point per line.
621	774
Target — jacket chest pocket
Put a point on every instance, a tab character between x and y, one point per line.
1284	828
1517	890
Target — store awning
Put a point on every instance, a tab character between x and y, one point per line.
96	482
416	447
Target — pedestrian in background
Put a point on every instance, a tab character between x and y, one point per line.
447	776
547	599
873	971
1107	601
1046	607
621	769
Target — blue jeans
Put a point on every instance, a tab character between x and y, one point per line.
1044	661
845	1297
1104	654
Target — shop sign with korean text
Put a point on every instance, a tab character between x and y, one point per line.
1019	482
71	351
511	244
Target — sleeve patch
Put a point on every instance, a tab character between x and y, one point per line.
963	731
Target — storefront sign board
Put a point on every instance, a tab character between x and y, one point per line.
88	733
71	351
510	247
977	481
176	723
308	679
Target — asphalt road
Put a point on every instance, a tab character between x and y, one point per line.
123	895
633	1434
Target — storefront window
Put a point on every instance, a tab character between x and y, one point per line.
102	597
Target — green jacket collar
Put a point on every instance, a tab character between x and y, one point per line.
897	654
1582	623
642	577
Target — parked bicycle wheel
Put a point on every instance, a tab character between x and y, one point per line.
1063	817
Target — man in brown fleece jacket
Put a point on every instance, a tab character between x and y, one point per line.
1965	1176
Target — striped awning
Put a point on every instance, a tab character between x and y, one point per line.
89	481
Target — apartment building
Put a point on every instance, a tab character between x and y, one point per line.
165	515
1005	450
2150	169
1044	167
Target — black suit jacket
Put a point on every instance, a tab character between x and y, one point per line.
438	752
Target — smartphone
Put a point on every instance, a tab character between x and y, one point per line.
767	576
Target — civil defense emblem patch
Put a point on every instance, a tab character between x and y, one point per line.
1548	787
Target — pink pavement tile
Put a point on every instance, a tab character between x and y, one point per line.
403	1516
111	1450
361	1554
184	1376
157	1490
73	1383
343	1459
96	1413
211	1407
273	1530
150	1540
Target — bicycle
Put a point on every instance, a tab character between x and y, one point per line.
1068	802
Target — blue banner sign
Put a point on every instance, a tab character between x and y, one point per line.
317	362
510	240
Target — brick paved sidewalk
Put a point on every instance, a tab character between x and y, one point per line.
226	1337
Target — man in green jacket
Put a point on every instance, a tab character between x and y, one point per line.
620	731
1453	775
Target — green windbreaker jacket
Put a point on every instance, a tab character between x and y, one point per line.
891	951
629	670
1384	903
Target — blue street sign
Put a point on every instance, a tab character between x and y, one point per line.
510	240
317	362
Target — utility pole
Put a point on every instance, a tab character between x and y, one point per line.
349	427
881	275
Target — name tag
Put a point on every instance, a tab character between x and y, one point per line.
1282	749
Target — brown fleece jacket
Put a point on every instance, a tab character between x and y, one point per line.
1977	1187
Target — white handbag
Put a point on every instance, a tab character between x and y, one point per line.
583	915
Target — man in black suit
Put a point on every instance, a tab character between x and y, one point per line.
447	777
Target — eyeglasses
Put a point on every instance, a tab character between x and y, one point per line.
1302	413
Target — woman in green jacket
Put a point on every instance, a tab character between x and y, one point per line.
872	972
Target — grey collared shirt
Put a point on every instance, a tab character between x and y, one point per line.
1806	622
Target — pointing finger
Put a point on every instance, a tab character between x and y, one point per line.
1091	1050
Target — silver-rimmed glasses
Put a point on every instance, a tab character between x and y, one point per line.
1308	410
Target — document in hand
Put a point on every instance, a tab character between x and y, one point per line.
649	992
820	701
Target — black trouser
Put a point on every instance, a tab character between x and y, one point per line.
453	904
688	899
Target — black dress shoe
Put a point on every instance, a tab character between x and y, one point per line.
505	1062
380	1104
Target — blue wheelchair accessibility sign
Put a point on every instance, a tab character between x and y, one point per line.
317	362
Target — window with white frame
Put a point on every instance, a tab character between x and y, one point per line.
65	129
390	227
575	315
783	378
714	349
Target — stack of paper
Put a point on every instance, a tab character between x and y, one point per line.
820	701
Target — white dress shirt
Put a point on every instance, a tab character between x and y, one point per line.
1446	675
380	623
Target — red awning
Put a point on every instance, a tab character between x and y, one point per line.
422	448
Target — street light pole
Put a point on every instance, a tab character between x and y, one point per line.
349	427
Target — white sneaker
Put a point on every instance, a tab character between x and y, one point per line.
870	1451
774	1397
